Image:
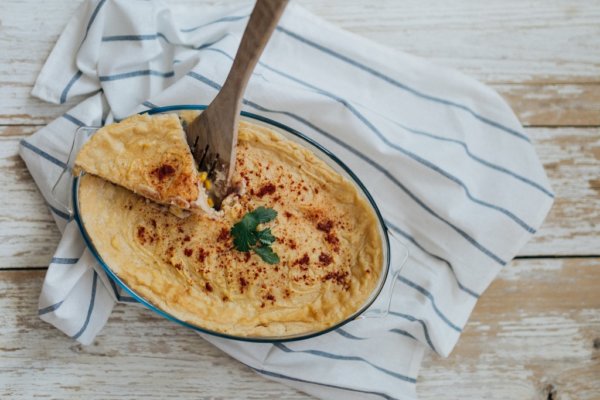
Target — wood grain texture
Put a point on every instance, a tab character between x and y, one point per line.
535	333
571	158
532	331
553	61
554	104
138	355
535	330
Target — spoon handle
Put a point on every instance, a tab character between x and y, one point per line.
261	25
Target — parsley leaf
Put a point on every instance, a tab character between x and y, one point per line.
246	237
263	214
267	254
243	237
265	237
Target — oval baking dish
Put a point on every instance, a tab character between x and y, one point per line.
323	154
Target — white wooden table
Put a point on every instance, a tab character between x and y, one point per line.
535	333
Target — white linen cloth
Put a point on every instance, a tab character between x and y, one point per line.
446	160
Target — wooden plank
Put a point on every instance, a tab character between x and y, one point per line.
535	331
495	41
527	335
138	355
28	235
571	158
561	47
553	105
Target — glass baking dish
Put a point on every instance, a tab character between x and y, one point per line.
377	304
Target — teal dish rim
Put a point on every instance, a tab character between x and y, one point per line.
146	303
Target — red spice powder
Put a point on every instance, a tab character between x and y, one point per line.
208	287
243	284
325	259
332	239
202	254
163	171
188	252
325	226
141	234
337	277
265	189
223	235
303	260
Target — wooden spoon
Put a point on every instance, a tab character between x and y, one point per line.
212	136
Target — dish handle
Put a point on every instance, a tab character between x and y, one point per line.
398	260
61	190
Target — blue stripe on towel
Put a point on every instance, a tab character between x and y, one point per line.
347	335
115	289
58	212
146	72
397	147
420	247
207	45
403	332
119	297
136	38
61	260
118	38
402	85
92	19
51	308
72	119
224	19
149	105
63	96
332	356
90	308
375	165
413	319
427	294
42	153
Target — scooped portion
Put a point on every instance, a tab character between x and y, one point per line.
148	155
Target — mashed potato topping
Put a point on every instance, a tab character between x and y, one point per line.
327	240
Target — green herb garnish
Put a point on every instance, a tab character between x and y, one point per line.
246	237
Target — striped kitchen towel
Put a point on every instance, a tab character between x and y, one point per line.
455	176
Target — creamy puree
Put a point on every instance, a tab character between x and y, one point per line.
327	240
